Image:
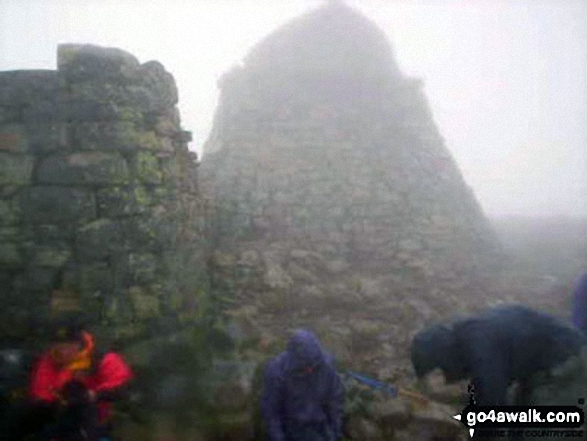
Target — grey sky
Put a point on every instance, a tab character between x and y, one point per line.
506	80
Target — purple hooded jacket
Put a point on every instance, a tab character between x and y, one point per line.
303	396
580	304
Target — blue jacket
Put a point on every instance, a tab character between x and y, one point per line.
303	396
496	348
580	303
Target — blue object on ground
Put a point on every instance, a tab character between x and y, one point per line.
379	385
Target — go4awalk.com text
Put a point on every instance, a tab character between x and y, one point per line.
523	422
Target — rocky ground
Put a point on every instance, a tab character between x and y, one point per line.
357	329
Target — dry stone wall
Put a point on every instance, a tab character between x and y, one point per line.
98	195
352	216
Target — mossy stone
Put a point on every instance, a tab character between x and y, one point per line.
51	257
15	169
148	170
13	138
10	254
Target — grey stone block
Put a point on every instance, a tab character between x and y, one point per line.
84	168
47	205
15	169
78	62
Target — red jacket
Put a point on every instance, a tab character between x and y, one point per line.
48	379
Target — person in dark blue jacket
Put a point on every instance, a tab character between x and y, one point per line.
580	303
495	349
303	396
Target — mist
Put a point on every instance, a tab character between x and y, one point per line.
506	80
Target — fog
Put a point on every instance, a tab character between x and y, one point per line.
506	80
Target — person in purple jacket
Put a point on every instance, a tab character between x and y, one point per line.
303	396
580	303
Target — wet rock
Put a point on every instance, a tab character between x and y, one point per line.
435	422
13	138
161	84
36	279
10	255
15	169
365	430
51	257
82	62
392	414
21	88
147	168
84	168
46	205
143	267
145	302
115	135
10	211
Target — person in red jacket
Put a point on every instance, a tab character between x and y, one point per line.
78	383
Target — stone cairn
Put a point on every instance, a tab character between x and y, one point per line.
351	216
98	194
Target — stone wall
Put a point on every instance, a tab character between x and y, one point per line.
99	202
351	215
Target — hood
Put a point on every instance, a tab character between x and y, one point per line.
435	348
304	350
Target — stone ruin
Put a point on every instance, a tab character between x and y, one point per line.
98	194
330	201
349	214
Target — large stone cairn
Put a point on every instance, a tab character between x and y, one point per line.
348	204
97	190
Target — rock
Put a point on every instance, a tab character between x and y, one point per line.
13	138
43	112
233	386
116	202
36	279
161	83
10	255
97	239
143	267
391	414
10	234
115	135
15	169
147	168
47	137
362	429
78	110
64	301
58	204
277	278
96	185
83	62
244	324
95	280
50	236
146	304
436	420
84	168
9	212
233	427
21	88
51	257
9	115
